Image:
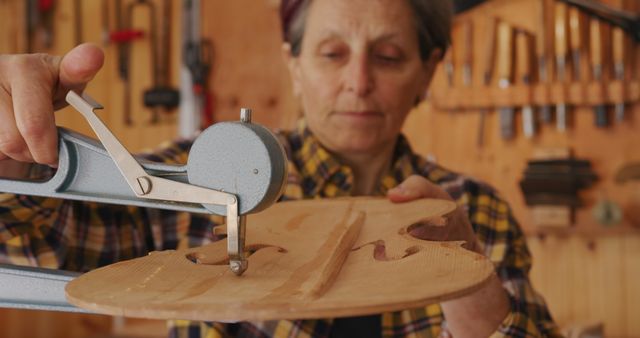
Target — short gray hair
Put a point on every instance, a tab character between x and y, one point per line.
433	20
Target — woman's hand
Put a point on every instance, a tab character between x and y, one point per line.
478	314
31	87
458	227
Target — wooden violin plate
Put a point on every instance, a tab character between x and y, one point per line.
311	259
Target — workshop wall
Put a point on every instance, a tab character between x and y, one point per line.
587	272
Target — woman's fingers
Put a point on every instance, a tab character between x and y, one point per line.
31	87
32	95
12	145
416	187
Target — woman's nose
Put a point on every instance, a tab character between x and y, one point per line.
359	77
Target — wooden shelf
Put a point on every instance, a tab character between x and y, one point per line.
575	94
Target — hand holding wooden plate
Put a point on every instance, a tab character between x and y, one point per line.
311	259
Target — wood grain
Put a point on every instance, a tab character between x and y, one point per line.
296	271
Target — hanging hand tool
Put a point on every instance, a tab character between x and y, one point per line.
199	61
124	36
489	61
628	21
561	61
543	50
575	34
468	54
40	24
153	46
77	18
596	53
449	67
618	67
161	96
106	22
523	69
233	168
191	107
124	58
505	69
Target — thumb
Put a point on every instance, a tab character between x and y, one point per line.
415	187
79	66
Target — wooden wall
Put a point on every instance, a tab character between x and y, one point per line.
587	274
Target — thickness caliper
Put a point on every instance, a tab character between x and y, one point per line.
233	169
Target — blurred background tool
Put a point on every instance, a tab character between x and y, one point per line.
543	50
487	75
628	21
125	62
161	97
40	24
198	56
560	30
556	181
505	73
449	67
596	54
77	18
618	41
191	106
523	71
576	31
467	66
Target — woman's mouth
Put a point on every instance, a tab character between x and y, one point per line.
360	113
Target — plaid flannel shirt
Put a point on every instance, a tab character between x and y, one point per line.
81	236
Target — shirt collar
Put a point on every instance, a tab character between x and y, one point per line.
318	166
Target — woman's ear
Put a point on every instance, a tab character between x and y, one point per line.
429	67
293	64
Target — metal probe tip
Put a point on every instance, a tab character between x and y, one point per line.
245	115
238	266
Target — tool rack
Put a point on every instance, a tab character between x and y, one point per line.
476	93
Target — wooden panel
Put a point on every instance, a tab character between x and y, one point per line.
589	280
248	69
44	324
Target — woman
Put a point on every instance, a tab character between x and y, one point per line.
358	67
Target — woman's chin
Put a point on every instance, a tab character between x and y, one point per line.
356	145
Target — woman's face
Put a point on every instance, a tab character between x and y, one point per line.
359	72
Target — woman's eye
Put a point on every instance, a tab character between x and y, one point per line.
332	55
388	58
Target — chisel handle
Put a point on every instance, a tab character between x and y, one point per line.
560	40
505	53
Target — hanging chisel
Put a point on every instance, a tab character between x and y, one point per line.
596	53
575	39
505	69
523	69
618	67
448	66
561	61
543	50
162	97
468	54
106	22
77	18
489	61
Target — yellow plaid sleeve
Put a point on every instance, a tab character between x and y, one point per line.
505	245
